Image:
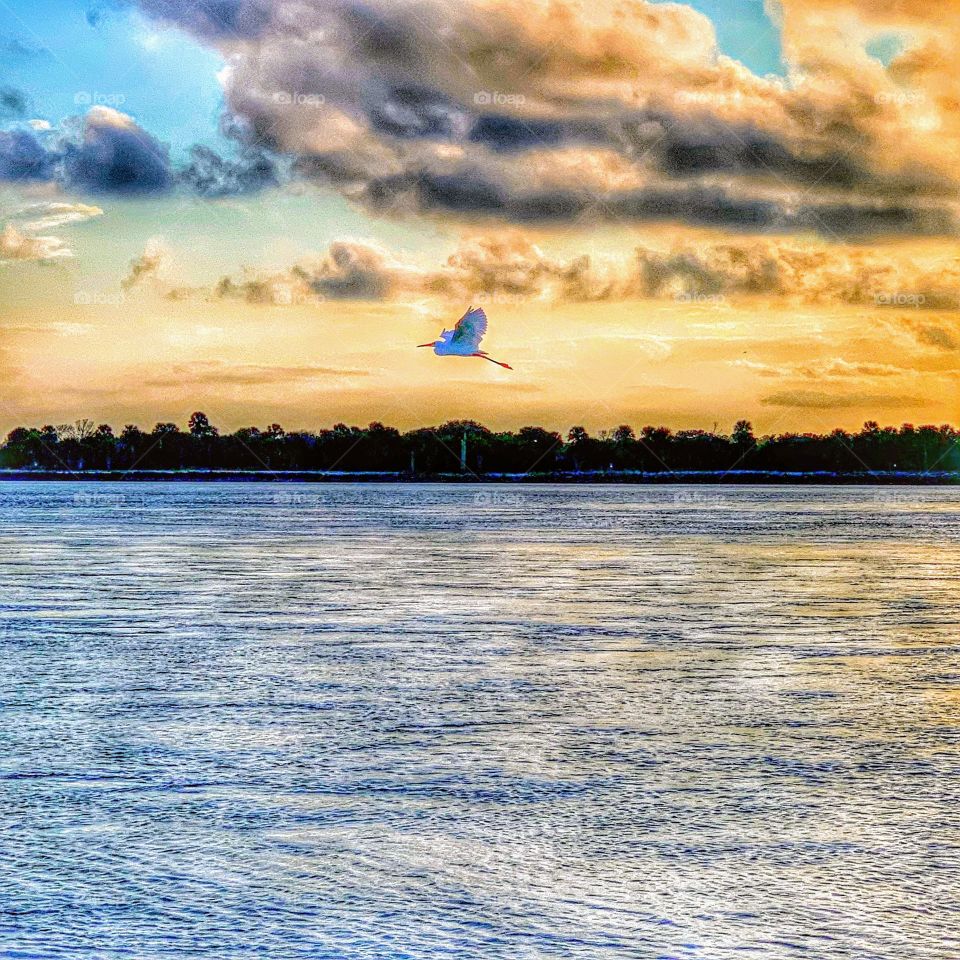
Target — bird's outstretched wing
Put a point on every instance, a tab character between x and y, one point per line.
470	327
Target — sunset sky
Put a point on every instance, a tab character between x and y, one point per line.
672	213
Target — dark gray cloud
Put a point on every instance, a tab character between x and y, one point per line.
210	175
115	155
503	132
690	147
467	192
107	152
874	219
475	191
349	272
13	103
472	194
214	19
874	204
684	147
705	272
397	106
23	157
412	111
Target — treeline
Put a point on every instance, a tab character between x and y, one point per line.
435	450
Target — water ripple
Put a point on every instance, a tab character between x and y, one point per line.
370	721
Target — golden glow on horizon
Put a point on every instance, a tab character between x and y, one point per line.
600	364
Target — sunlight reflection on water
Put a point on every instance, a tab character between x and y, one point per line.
461	721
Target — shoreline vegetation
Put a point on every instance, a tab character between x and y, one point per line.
464	451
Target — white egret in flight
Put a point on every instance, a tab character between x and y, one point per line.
464	339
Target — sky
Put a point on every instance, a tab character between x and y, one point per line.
672	213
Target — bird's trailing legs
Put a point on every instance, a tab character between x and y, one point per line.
506	366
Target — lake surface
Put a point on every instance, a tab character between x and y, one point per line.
337	721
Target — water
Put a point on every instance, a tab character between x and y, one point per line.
462	721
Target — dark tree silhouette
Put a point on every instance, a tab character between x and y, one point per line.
378	448
199	426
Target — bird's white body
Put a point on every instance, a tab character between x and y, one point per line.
464	339
448	346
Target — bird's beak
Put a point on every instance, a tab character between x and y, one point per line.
431	344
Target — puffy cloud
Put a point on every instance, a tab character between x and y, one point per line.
210	175
510	267
557	112
106	151
505	266
474	111
349	271
808	272
22	242
23	157
805	271
115	155
723	268
275	290
15	245
155	255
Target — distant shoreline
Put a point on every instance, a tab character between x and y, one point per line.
463	450
633	477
